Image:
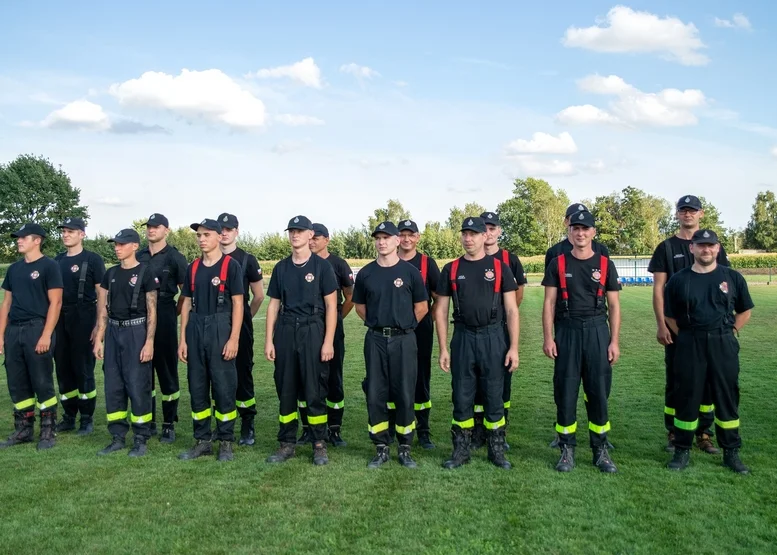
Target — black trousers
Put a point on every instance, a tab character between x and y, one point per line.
335	398
30	375
507	386
582	354
424	338
126	378
165	361
207	371
74	359
244	362
707	358
706	409
392	368
300	375
477	359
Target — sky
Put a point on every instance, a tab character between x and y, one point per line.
328	109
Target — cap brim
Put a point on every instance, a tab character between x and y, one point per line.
301	228
122	241
197	226
64	226
376	233
695	207
476	230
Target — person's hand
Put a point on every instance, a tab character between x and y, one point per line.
550	349
613	353
183	352
230	349
98	350
445	361
147	352
269	351
511	360
664	335
44	344
327	352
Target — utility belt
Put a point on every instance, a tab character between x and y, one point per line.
390	332
459	326
25	323
582	323
127	323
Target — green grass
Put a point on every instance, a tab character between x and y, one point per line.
71	501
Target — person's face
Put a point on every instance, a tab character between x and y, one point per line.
155	233
27	244
207	239
385	244
124	250
408	240
472	241
300	237
705	254
581	235
228	236
492	234
72	237
318	243
689	217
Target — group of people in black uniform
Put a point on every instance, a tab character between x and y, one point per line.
69	312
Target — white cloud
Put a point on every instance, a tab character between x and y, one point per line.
297	120
361	72
585	114
531	165
80	114
738	21
626	30
543	143
774	151
210	95
612	84
305	71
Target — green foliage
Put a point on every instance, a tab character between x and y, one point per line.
457	215
761	230
392	212
743	261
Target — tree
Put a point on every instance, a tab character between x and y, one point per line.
392	212
33	190
761	230
457	214
441	243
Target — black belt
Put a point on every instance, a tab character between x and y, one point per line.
293	319
478	329
127	323
390	332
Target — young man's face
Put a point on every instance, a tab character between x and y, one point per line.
124	250
581	235
207	239
705	254
472	241
155	233
228	236
385	244
28	243
492	234
72	237
689	218
300	237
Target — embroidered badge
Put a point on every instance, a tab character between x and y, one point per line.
216	281
133	280
35	275
724	287
596	274
309	277
74	268
398	282
490	275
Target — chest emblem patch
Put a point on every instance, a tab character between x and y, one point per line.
490	275
596	274
133	280
724	287
74	268
35	275
216	281
398	282
309	277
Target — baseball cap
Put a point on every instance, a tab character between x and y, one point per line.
320	230
29	229
299	222
474	223
386	227
207	223
583	217
73	223
577	207
125	236
228	220
408	225
156	219
490	218
689	201
705	237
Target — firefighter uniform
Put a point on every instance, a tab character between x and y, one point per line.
74	355
565	246
169	267
706	355
582	338
30	374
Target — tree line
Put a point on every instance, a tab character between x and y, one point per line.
629	222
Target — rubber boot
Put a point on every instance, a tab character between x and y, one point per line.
23	423
48	422
496	449
462	439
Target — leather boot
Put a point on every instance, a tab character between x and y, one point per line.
704	443
320	456
669	443
139	447
306	436
284	453
680	459
603	461
381	456
496	449
566	461
335	438
404	457
732	461
168	433
86	426
67	424
23	424
48	421
461	443
117	444
225	451
425	439
247	435
201	448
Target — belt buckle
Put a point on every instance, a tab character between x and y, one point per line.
386	332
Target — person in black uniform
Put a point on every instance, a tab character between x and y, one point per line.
335	398
705	305
169	267
671	256
126	316
28	318
211	320
482	289
301	324
424	332
82	271
252	281
390	296
581	295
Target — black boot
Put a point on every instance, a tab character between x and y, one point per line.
23	425
117	444
67	424
555	443
48	421
201	448
335	438
603	461
496	449
567	460
425	439
153	429
284	453
381	456
168	433
247	436
404	457
139	447
680	459
732	461
225	451
478	433
461	443
306	436
86	427
669	443
320	456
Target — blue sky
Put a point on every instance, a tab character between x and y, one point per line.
329	109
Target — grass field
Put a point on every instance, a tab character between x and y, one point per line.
67	500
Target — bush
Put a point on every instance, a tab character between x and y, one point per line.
743	261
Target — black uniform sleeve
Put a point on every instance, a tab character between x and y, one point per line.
181	268
274	289
669	295
612	277
344	274
444	284
234	278
658	261
417	285
150	281
53	276
97	265
359	294
723	257
432	274
328	278
550	279
253	271
186	288
742	301
517	268
508	279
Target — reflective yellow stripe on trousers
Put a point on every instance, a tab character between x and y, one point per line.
464	425
377	428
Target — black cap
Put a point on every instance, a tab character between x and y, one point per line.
207	223
577	207
125	236
157	219
386	227
491	218
408	225
299	222
689	201
473	223
705	237
320	230
228	221
583	217
73	223
29	229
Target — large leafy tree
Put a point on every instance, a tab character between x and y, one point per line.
761	230
457	214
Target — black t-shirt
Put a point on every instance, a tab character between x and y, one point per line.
207	283
432	276
677	256
389	293
515	265
251	271
121	284
71	268
582	286
706	301
565	246
475	284
301	289
167	259
344	276
29	284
